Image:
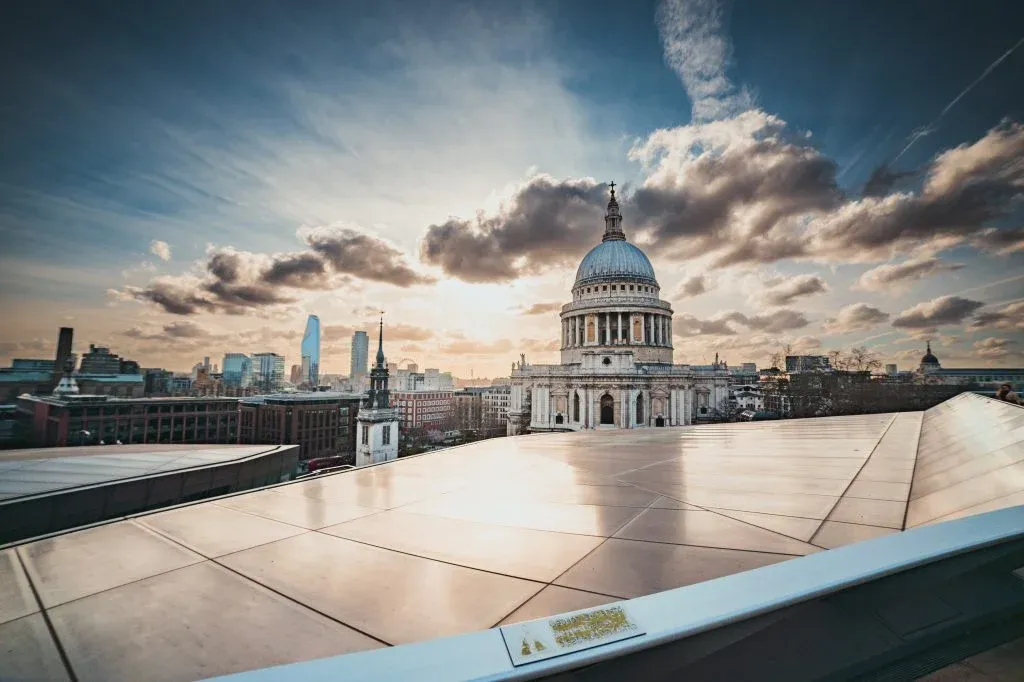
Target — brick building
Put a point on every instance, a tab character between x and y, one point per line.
424	409
322	424
92	419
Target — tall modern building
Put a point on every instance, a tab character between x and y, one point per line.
267	371
311	351
360	357
63	348
237	370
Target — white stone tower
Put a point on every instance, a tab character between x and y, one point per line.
377	422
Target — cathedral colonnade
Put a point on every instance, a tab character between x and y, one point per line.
601	406
621	327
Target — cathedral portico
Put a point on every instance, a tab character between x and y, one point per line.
616	366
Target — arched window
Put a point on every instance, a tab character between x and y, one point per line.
607	409
575	407
558	419
640	409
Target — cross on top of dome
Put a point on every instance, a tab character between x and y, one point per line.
612	219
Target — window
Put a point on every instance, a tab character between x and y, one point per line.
366	436
387	434
631	287
604	288
607	361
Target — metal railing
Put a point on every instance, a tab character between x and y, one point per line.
892	608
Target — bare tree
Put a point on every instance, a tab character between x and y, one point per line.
863	360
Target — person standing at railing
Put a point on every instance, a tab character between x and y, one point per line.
1007	393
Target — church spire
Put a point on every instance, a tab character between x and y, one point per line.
380	343
613	220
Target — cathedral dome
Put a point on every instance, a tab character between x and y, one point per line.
615	259
928	359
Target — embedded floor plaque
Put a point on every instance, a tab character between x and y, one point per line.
537	640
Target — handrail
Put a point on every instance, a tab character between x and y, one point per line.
674	614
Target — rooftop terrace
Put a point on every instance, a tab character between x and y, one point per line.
486	534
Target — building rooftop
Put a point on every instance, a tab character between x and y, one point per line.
304	396
33	471
86	398
490	533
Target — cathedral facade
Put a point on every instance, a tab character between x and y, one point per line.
616	367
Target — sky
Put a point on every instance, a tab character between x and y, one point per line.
180	180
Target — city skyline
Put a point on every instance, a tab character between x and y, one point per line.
789	185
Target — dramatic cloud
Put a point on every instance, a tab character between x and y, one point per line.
729	187
698	51
546	223
237	282
687	325
748	190
1008	317
992	348
855	317
541	308
1001	241
695	286
883	277
965	189
179	330
353	253
782	291
774	322
161	250
937	312
185	330
883	180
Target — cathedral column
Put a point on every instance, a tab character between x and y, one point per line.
643	329
619	315
607	329
670	331
657	330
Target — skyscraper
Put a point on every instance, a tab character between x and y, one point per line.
237	370
63	348
311	351
64	354
268	371
360	358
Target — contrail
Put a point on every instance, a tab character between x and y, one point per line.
921	132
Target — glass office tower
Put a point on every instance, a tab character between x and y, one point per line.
311	351
237	370
360	357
